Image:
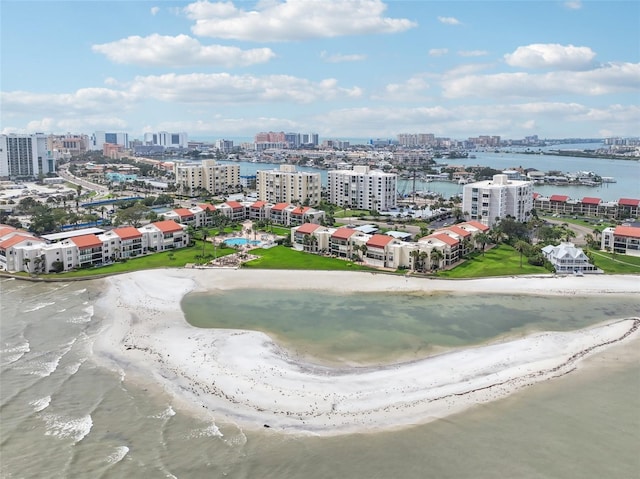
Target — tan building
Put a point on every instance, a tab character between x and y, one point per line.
209	176
286	185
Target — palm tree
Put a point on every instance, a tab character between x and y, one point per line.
424	256
482	239
363	251
521	246
415	254
436	257
26	262
204	232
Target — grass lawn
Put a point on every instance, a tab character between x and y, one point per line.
164	259
502	260
282	257
618	264
350	213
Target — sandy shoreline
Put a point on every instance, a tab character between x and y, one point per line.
244	377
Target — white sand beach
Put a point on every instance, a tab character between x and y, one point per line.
244	377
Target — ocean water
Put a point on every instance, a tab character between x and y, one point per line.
64	416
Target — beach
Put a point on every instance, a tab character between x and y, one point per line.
246	378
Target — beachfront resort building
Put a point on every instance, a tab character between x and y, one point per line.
363	188
25	156
192	178
442	248
621	240
22	251
166	139
287	185
492	200
567	259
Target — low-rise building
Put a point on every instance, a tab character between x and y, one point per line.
621	240
567	259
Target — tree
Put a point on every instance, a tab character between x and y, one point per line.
132	215
521	246
415	254
26	262
204	234
482	239
436	258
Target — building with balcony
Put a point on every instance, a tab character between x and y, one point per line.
191	178
287	185
492	200
567	259
25	156
363	189
621	240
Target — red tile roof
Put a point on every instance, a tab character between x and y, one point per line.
258	204
300	210
379	241
308	228
234	205
127	232
167	226
17	239
444	238
628	202
559	198
476	224
183	212
587	200
5	229
207	206
279	206
459	231
628	231
343	233
535	195
87	241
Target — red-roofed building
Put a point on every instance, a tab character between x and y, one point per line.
621	240
304	235
590	206
89	250
628	208
340	243
298	215
378	251
130	242
474	226
164	235
19	251
258	211
233	210
447	245
277	213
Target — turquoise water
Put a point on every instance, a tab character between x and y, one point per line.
370	327
240	241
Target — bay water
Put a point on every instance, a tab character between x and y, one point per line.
63	415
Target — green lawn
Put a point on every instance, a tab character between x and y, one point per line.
618	264
502	260
350	213
281	257
164	259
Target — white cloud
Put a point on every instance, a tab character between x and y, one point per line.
551	55
154	10
293	20
608	79
573	5
438	52
179	51
473	53
340	58
449	20
409	90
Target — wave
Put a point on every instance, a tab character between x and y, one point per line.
117	455
40	404
38	306
14	353
65	427
46	368
166	414
210	431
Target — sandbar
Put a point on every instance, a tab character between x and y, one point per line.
246	378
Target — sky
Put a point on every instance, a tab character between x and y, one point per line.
339	68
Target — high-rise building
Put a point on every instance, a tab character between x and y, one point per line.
166	139
492	200
286	185
208	175
25	156
225	146
68	144
99	138
362	188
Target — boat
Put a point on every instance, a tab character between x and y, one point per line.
608	179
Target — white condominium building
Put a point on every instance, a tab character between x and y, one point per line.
363	189
207	175
166	139
99	138
286	185
25	156
498	198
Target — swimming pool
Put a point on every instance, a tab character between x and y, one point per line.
240	241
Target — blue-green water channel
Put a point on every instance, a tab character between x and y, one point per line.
370	328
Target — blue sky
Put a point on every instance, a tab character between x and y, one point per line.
343	69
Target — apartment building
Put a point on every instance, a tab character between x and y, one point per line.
495	199
621	240
208	175
99	138
25	156
167	140
287	185
362	188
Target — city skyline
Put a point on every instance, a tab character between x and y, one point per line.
359	69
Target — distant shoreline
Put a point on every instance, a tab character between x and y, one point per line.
244	377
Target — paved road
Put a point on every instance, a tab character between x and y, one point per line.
579	230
